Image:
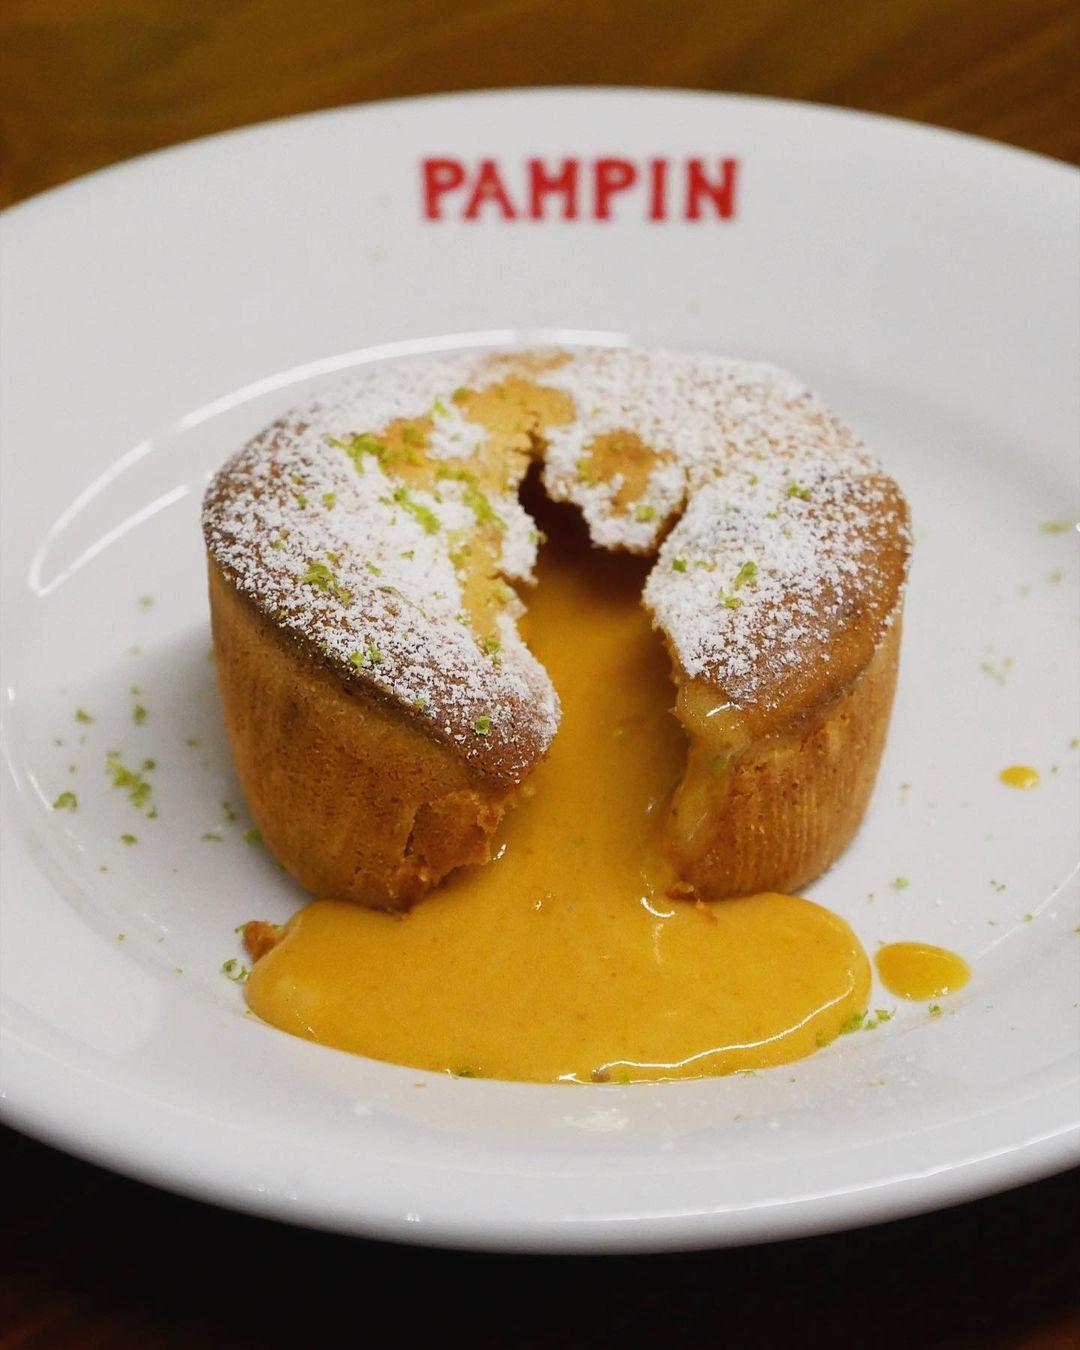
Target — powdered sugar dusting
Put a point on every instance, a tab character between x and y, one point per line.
790	527
784	521
341	554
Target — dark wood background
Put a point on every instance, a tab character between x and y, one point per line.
86	82
88	1259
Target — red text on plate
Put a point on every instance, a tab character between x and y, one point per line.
579	189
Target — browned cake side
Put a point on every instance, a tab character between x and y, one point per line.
782	808
351	796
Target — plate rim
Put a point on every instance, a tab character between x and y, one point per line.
814	1213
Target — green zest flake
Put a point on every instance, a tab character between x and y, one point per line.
821	1040
585	471
252	837
301	501
228	812
853	1023
463	1072
370	656
212	837
236	972
482	725
128	780
1056	526
796	490
375	570
128	839
501	593
409	554
747	572
644	513
139	714
753	480
422	514
481	508
410	435
729	601
440	409
900	883
705	565
145	601
67	801
83	717
320	576
277	545
400	595
679	565
997	673
537	537
356	447
419	703
329	500
491	645
934	1010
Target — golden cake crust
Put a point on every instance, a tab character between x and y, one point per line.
367	543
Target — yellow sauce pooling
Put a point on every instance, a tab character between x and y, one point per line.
564	958
1019	776
919	970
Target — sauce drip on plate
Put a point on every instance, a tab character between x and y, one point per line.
564	958
919	970
1021	776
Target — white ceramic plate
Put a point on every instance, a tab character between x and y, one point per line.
156	315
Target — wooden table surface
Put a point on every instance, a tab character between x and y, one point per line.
88	1259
